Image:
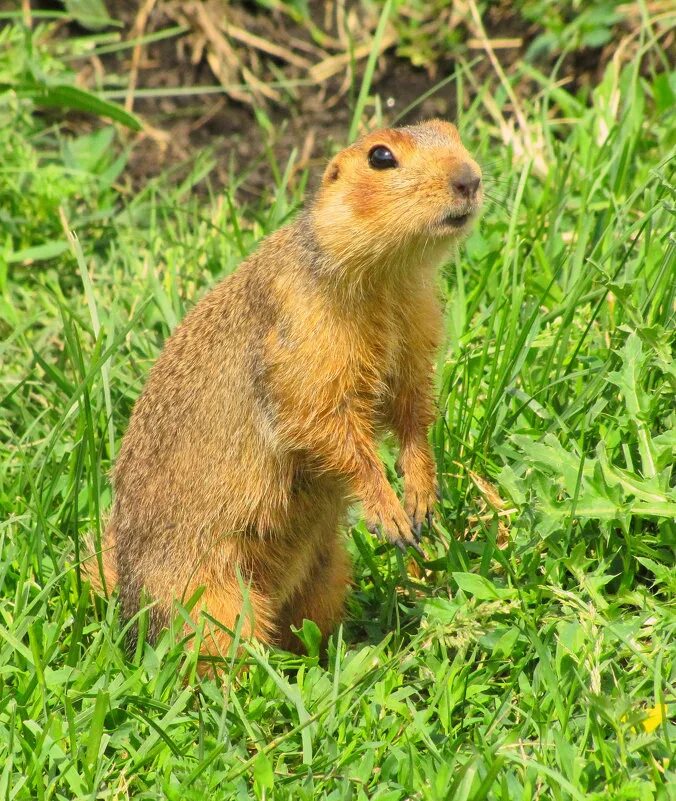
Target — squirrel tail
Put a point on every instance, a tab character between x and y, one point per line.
100	573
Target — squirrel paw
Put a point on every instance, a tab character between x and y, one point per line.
394	524
420	486
419	506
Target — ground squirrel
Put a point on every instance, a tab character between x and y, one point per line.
260	420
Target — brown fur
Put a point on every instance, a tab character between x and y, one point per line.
259	422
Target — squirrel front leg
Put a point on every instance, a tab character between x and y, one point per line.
412	416
344	443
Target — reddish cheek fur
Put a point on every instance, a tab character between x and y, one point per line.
363	200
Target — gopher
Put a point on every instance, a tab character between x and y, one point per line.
259	423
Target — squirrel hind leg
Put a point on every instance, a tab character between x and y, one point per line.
221	599
224	603
320	598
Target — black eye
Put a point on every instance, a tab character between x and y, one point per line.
382	158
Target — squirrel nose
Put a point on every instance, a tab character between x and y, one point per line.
466	182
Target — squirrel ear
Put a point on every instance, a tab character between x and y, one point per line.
331	173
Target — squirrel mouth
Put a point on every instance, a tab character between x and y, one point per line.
456	220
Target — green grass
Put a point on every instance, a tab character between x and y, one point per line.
540	670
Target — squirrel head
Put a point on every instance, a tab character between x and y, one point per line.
396	190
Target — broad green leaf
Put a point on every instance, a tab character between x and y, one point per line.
64	96
481	587
264	778
91	14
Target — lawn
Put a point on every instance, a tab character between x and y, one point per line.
532	655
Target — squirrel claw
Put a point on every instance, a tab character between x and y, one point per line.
419	550
417	531
429	518
404	545
374	530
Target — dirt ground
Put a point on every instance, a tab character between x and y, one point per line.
306	117
280	82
